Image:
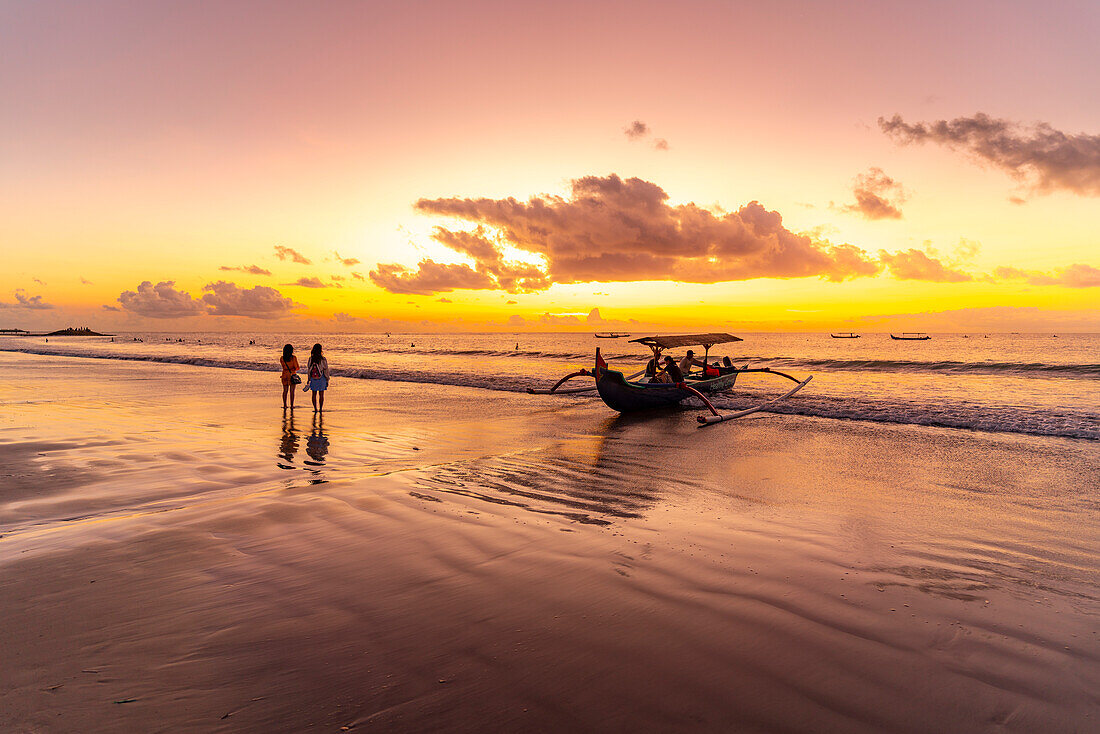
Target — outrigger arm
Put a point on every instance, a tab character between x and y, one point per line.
709	420
579	373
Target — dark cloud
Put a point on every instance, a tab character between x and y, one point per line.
250	269
429	277
916	265
286	253
877	196
110	308
30	303
444	300
337	278
40	282
636	130
611	229
313	283
259	302
160	301
510	303
358	276
349	261
1077	275
1039	155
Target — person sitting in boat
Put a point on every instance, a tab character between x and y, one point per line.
671	373
727	366
690	361
653	366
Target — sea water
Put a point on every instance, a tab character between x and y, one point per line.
1040	384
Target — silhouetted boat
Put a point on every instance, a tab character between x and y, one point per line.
621	393
845	335
609	335
911	336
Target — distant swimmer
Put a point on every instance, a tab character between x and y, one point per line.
412	345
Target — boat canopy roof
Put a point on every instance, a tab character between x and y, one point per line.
671	341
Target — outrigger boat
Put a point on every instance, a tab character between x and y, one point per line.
626	395
911	336
609	335
845	335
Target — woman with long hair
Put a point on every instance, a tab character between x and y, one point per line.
317	370
290	366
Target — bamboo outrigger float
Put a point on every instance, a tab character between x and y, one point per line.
626	395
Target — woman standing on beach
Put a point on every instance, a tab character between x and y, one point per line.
290	366
318	377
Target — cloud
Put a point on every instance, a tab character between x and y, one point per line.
510	303
250	269
877	196
349	261
444	300
1077	275
259	302
85	281
660	144
516	320
40	282
916	265
611	229
30	303
313	283
554	319
636	130
344	318
105	307
358	276
160	301
594	316
429	277
1045	158
286	253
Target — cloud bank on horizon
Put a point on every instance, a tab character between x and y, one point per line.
611	229
164	301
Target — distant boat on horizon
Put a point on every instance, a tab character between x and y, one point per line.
845	335
911	336
609	335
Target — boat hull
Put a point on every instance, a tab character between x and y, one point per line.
628	397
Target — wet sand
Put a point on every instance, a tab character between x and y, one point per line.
177	556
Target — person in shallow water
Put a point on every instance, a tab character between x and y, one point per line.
317	370
290	366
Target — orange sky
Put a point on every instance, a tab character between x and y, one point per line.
161	143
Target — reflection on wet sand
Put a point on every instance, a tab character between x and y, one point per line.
288	445
616	472
317	443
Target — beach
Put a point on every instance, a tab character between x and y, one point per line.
177	554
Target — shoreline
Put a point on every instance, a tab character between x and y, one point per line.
462	560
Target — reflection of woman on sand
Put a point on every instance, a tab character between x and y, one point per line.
288	447
290	365
318	377
317	443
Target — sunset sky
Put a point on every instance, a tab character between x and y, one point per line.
358	166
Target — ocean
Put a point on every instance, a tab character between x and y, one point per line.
1038	384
